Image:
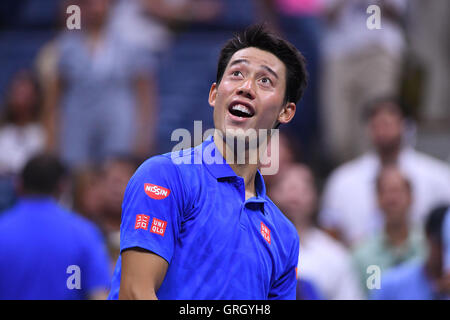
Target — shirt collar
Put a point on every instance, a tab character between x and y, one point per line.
213	159
221	169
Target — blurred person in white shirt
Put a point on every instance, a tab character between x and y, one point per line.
322	259
359	63
21	134
349	208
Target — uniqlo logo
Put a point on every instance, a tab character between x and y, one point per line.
158	226
141	222
265	232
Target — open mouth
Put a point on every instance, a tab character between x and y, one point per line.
241	110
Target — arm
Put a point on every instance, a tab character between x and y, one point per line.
142	274
284	288
147	116
145	254
46	65
50	114
98	295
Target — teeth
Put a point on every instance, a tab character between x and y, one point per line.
241	108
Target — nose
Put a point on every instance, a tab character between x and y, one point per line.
246	90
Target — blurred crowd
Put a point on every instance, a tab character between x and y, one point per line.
81	109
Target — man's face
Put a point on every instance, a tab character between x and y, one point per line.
295	194
251	92
386	130
394	196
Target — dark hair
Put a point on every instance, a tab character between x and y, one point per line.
390	103
23	75
258	37
435	222
42	174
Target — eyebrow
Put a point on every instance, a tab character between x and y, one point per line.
245	61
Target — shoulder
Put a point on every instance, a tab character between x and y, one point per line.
403	274
175	172
172	162
426	162
85	228
8	218
353	168
173	167
328	244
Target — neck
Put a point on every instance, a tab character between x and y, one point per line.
389	156
397	233
245	170
432	269
303	226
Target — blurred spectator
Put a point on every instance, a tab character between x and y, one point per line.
398	241
322	259
21	135
349	206
289	152
358	64
132	22
421	280
87	193
115	174
40	241
103	101
431	18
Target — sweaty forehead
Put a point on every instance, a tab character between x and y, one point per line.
258	58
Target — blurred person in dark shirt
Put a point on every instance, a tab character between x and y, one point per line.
48	252
114	176
87	192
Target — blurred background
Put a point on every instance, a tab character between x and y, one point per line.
363	165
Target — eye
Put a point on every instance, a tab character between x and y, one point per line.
266	81
236	73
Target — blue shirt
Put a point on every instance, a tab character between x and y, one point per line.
99	92
446	241
39	241
405	282
218	245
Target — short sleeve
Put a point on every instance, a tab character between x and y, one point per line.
284	288
152	208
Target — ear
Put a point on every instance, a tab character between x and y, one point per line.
212	95
287	113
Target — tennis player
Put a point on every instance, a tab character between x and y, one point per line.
208	230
